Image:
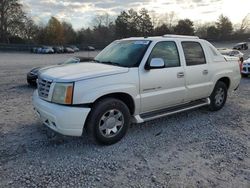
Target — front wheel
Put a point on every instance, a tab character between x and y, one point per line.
108	121
218	97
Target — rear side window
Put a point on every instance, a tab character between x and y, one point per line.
166	50
194	53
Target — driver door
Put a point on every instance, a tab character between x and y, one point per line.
163	87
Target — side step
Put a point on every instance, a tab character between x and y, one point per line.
172	110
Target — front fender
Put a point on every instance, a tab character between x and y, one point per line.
88	91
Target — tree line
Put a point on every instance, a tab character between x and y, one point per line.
17	27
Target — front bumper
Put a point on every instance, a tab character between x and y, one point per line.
66	120
245	69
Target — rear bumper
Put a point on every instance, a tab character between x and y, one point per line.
65	120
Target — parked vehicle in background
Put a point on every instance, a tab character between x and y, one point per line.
47	50
90	48
74	48
246	68
138	79
241	46
34	49
43	50
231	52
58	49
37	49
68	50
32	75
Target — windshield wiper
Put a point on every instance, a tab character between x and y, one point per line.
96	61
108	63
111	63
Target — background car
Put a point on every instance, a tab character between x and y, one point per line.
90	48
245	71
33	74
34	49
74	48
231	52
241	46
68	50
43	50
47	50
58	49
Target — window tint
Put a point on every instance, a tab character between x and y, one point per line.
194	54
168	52
125	53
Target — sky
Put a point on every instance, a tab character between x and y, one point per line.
81	13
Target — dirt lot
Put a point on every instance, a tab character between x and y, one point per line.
192	149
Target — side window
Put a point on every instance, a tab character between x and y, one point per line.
194	53
168	52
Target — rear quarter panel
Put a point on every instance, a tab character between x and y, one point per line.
219	67
229	69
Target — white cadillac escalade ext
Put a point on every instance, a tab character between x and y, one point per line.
134	79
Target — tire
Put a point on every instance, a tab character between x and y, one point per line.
244	75
32	83
218	97
108	121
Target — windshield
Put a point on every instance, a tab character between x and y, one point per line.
127	53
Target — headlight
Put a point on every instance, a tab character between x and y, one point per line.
63	93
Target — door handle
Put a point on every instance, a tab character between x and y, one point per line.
205	72
180	74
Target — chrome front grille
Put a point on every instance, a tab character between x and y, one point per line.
43	87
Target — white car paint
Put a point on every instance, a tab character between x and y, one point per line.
150	89
81	71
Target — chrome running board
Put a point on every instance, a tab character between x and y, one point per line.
169	111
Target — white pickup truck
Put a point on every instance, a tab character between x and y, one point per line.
134	80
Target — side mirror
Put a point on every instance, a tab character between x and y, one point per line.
156	63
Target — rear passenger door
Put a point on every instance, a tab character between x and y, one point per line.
196	71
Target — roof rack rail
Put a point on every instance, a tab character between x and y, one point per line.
181	36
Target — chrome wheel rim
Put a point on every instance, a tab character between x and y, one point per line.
111	123
219	97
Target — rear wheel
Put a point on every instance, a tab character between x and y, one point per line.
108	121
218	96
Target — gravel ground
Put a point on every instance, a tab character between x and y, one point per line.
197	148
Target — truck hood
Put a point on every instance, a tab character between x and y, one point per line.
81	71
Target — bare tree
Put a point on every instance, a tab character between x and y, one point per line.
29	29
102	20
169	19
245	23
11	18
154	18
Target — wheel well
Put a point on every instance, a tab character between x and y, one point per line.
124	97
225	80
